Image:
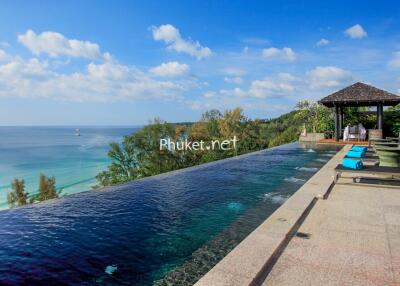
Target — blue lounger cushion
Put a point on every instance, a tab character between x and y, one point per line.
355	154
352	164
359	148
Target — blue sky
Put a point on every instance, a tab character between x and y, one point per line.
126	62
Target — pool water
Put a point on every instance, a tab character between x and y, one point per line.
166	230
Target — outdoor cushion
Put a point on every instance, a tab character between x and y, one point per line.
352	164
359	148
355	154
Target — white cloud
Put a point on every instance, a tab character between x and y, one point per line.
270	88
232	71
395	61
322	42
209	94
328	76
108	81
235	80
55	44
197	104
235	92
356	32
274	53
27	68
286	76
280	85
5	44
103	80
170	69
108	70
172	37
3	55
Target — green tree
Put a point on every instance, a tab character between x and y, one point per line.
316	117
212	118
18	196
47	189
391	121
231	123
123	167
150	158
140	156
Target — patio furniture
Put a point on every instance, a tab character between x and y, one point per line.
375	134
329	134
367	158
393	139
354	133
393	172
388	156
389	140
384	144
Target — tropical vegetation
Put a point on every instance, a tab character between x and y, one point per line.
19	197
139	156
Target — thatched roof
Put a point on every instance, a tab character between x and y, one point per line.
360	94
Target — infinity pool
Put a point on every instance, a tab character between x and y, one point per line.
166	230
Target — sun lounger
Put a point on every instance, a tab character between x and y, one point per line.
367	158
389	140
367	170
394	139
388	156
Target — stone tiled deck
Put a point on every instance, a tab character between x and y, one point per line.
352	237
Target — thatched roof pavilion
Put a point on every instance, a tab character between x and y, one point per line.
359	94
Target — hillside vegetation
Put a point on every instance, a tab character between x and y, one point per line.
139	154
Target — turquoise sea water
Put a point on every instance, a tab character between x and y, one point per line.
25	152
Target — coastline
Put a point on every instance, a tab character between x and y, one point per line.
166	174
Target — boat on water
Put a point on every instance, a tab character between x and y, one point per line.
77	132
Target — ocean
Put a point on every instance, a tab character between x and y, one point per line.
73	160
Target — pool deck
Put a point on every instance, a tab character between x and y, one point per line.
325	234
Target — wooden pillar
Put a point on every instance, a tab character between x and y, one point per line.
340	121
336	123
379	112
342	116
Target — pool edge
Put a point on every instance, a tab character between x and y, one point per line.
250	261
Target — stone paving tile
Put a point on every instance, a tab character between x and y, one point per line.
349	239
218	277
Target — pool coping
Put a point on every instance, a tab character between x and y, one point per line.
250	262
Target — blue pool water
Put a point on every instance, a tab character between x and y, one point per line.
25	152
165	230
